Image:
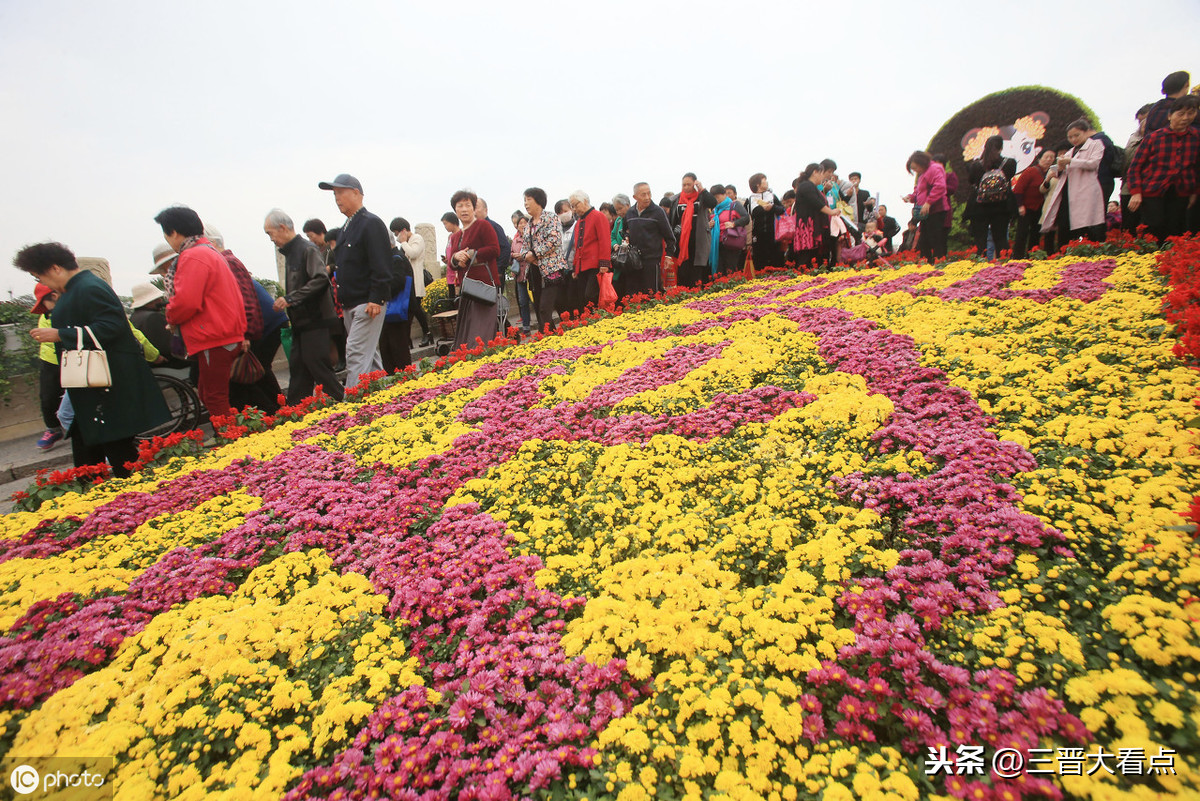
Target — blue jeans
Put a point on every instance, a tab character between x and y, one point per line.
523	304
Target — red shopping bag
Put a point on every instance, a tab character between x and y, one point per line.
608	295
670	275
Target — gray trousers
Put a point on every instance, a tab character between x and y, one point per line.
362	343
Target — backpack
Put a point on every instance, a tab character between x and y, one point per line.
993	186
734	238
401	272
1116	160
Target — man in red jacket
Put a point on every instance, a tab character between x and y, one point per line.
205	304
592	237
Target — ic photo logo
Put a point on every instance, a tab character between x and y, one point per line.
24	779
79	778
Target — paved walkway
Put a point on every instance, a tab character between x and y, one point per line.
20	459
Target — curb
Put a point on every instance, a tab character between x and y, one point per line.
16	472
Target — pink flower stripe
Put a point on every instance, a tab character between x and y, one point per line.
343	421
514	709
1083	281
987	283
905	283
962	529
121	515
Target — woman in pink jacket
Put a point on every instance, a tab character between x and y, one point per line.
205	304
931	202
1076	206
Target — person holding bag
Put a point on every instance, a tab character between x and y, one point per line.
107	418
474	252
542	251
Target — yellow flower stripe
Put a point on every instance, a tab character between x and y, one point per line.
228	694
712	567
108	564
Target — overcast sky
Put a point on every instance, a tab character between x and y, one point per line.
113	110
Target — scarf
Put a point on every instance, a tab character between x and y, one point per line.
688	201
715	245
169	278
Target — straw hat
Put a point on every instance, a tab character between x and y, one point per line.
214	236
145	293
163	254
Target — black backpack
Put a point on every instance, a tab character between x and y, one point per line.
1116	158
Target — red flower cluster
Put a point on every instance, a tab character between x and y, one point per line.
239	423
1181	265
88	474
52	483
162	449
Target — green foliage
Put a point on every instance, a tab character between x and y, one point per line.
433	293
17	311
272	286
23	359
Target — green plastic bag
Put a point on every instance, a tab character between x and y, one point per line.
285	337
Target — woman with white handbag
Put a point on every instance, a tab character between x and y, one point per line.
102	366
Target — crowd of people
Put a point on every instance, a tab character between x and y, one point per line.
351	292
1067	193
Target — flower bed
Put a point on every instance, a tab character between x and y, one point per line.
779	540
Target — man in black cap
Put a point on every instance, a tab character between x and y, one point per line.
362	256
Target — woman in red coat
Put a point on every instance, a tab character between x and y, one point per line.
475	250
205	304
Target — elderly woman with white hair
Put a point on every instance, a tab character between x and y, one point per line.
621	204
593	251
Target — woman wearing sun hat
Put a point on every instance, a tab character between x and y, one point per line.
148	318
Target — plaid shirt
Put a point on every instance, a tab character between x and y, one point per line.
1164	160
254	318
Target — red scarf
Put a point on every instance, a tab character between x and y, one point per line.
688	199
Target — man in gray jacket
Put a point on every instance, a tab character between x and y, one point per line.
309	306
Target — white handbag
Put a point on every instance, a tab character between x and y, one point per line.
84	368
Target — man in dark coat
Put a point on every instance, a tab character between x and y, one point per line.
504	260
363	256
309	305
689	219
107	419
650	232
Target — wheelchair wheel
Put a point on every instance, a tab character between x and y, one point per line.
183	404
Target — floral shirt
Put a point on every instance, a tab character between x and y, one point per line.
544	240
